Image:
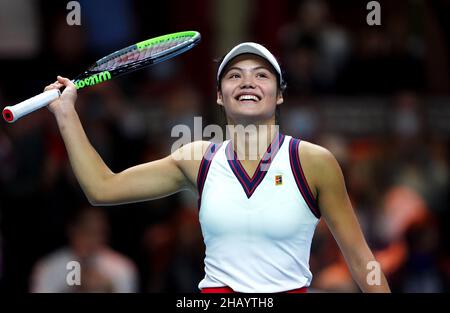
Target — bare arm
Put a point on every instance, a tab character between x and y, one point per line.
340	217
142	182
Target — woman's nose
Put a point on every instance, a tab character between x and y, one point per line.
247	82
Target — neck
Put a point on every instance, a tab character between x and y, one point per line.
250	142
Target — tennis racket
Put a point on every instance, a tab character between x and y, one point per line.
121	62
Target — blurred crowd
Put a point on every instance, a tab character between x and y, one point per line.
378	97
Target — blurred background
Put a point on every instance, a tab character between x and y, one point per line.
378	97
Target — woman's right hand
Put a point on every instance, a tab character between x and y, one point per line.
68	97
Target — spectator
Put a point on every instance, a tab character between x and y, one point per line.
315	49
102	269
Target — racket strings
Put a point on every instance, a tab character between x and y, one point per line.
135	55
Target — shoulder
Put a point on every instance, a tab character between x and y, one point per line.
315	154
193	151
117	262
310	153
53	263
59	256
189	157
318	164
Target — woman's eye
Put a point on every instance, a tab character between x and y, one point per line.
262	75
234	75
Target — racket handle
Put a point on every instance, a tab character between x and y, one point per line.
13	113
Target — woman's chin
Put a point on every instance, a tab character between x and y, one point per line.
249	118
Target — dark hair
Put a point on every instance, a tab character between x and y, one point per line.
281	85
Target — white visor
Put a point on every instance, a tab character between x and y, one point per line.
253	48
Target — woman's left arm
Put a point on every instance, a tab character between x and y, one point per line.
338	213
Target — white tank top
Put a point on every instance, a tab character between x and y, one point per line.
257	231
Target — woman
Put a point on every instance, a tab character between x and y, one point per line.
261	193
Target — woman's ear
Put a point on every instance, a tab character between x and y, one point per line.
219	97
280	98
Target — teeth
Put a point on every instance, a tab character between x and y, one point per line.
248	97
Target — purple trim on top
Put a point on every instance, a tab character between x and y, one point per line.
204	168
300	178
250	184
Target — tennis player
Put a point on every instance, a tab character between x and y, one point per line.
259	204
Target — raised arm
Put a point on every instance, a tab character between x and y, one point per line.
326	175
147	181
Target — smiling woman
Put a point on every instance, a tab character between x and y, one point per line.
261	193
249	83
259	207
270	63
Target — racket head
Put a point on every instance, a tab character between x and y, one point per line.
137	56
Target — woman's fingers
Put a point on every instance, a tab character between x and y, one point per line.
65	81
55	85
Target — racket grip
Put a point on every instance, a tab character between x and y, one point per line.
14	112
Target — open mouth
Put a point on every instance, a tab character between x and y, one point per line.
248	97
